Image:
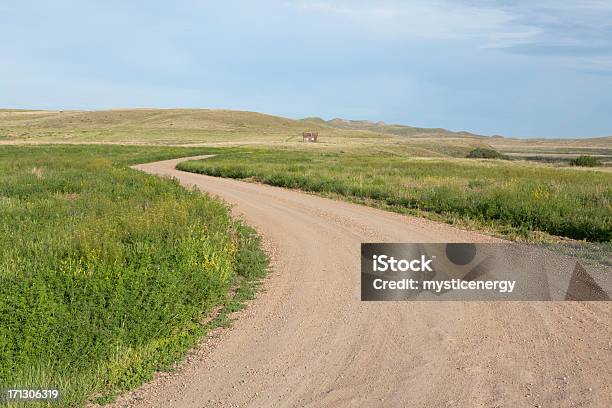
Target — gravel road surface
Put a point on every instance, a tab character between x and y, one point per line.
308	340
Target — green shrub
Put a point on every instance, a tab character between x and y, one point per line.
485	153
585	161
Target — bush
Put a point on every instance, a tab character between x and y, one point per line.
485	153
585	161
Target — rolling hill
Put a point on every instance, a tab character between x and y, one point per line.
228	127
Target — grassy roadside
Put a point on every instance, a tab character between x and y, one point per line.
107	273
513	199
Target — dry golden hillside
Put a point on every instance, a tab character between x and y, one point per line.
227	127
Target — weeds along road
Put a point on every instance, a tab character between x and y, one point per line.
308	340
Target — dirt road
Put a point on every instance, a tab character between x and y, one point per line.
308	340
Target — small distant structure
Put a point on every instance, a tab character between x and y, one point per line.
310	137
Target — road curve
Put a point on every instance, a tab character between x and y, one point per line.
308	340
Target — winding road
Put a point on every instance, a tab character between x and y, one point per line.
308	340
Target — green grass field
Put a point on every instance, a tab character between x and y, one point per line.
106	273
513	198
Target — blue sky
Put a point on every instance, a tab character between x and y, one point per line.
516	68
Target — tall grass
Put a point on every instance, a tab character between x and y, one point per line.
515	198
105	272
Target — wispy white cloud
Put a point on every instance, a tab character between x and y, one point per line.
417	19
488	24
505	39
